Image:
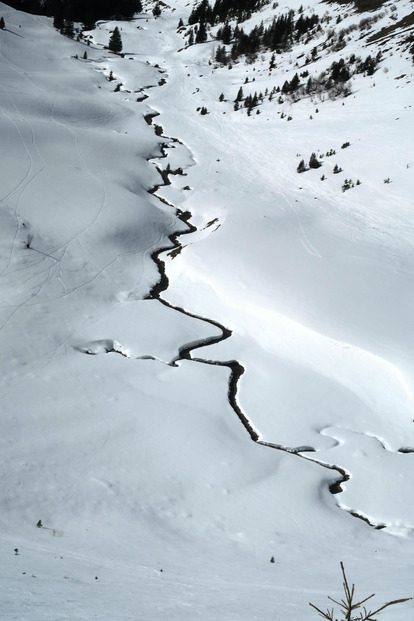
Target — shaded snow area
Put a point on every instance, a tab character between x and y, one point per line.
207	356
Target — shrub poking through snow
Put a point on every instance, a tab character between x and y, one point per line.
348	605
347	185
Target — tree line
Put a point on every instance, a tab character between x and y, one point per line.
221	10
282	32
86	11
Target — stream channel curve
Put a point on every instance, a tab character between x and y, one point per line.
235	367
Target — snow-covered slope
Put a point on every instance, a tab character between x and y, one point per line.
154	501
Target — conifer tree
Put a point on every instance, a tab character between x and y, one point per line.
239	94
201	36
314	162
115	42
2	23
68	28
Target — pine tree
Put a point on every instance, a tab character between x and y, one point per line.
2	23
314	162
201	36
68	28
239	94
115	42
301	166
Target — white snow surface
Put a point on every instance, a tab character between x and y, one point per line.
154	500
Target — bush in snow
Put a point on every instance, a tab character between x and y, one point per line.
348	606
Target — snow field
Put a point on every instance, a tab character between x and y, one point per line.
136	466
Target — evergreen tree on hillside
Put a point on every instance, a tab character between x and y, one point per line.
2	23
201	36
115	42
68	28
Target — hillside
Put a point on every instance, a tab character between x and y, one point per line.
206	354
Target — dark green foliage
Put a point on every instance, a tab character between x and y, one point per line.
68	28
301	166
314	162
201	36
115	42
339	71
367	66
156	11
281	33
224	34
363	5
337	169
221	55
347	185
85	11
58	22
2	23
223	10
292	86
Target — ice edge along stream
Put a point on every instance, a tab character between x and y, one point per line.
235	367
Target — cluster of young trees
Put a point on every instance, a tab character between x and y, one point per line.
224	9
334	80
86	11
337	75
282	32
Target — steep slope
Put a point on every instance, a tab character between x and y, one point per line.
153	499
